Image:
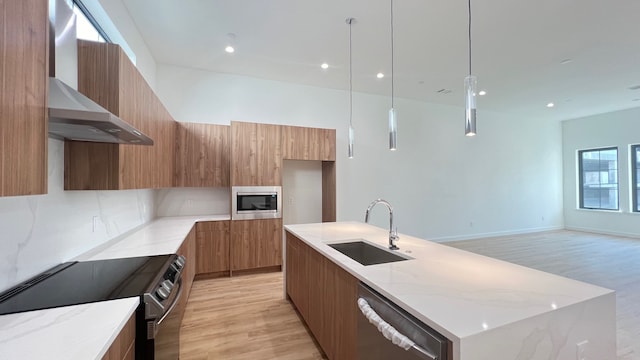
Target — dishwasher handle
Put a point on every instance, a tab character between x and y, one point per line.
389	332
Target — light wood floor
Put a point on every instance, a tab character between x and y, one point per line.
608	261
243	317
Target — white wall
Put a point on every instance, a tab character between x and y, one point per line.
193	201
301	192
41	231
621	129
443	185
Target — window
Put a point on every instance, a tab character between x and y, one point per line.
635	177
598	169
86	26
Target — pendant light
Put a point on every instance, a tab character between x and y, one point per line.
470	86
393	119
350	21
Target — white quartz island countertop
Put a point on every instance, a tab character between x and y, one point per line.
488	308
83	332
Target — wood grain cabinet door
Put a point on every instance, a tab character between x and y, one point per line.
326	296
212	249
24	55
108	77
202	155
256	243
256	157
304	143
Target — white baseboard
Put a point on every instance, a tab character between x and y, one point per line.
496	233
602	231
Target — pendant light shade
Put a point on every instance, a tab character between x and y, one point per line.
351	135
470	85
393	130
470	92
351	141
393	118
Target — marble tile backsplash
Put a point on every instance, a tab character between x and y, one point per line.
193	201
38	232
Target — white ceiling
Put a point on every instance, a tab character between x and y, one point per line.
518	47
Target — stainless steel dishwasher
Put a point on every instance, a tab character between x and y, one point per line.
385	330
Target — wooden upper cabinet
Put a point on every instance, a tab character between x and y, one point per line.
107	76
202	155
256	155
304	143
24	55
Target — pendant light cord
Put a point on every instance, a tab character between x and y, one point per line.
469	37
350	77
392	73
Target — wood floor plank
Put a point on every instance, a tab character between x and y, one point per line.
608	261
243	318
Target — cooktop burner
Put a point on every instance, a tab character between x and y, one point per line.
74	283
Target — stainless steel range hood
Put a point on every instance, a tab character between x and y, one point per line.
72	115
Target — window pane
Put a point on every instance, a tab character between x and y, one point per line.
84	28
635	163
599	179
609	199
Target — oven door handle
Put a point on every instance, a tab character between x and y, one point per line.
389	332
173	304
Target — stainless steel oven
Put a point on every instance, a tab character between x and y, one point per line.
256	202
156	280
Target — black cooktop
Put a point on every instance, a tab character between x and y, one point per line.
76	283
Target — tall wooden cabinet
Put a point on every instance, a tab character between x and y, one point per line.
24	55
202	155
325	295
107	76
256	154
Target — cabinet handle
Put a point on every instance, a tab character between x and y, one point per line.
389	332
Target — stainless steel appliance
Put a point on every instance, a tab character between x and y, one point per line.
415	339
72	115
157	280
256	202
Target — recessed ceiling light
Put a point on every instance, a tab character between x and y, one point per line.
565	61
324	66
229	49
550	105
482	92
380	75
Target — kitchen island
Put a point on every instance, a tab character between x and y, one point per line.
487	308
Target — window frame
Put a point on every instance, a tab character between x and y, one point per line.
581	179
92	20
634	178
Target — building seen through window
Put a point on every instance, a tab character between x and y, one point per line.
598	178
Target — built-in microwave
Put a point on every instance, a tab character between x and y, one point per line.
256	202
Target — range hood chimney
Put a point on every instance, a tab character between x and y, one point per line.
72	115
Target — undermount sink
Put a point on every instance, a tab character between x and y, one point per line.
365	253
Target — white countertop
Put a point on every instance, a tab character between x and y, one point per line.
71	332
458	293
163	235
86	331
